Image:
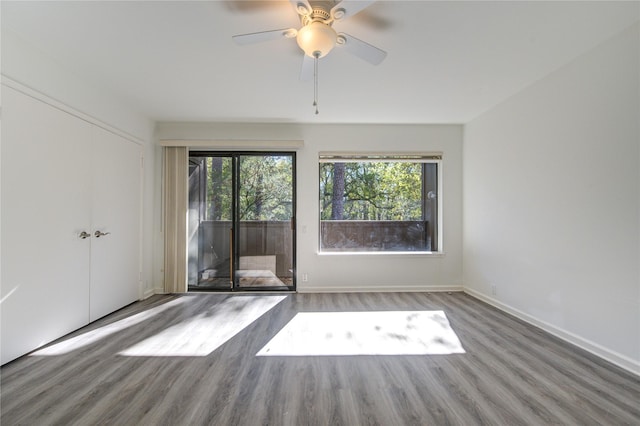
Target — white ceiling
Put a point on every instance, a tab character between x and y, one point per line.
447	61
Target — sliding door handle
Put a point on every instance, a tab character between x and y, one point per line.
84	235
99	234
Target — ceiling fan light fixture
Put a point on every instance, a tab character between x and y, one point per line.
316	37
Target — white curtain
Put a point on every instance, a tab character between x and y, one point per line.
176	169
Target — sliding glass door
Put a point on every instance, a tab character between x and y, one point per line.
241	221
210	222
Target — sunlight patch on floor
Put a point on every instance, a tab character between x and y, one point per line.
98	334
202	334
365	333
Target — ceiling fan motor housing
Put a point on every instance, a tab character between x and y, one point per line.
318	14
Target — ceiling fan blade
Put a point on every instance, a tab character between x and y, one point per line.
347	8
361	49
261	36
302	7
306	71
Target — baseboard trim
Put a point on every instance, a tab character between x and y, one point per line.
402	289
148	293
620	360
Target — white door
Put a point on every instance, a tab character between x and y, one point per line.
115	250
46	186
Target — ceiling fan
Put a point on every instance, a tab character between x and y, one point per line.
317	37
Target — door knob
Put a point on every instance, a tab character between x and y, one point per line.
84	235
99	234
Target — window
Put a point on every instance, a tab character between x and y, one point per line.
379	203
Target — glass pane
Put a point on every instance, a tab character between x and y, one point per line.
265	213
378	206
210	214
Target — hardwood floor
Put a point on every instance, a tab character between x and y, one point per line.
191	360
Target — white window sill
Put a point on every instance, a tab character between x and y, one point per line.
383	253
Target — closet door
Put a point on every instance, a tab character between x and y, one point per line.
115	249
46	204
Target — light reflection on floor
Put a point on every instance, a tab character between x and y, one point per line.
365	333
93	336
202	334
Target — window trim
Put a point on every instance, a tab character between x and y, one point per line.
395	157
351	157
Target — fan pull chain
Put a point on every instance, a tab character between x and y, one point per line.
316	56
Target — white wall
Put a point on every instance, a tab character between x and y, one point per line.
551	202
35	73
384	272
34	69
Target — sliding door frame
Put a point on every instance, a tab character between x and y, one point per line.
235	228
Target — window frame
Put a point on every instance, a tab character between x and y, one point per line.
373	157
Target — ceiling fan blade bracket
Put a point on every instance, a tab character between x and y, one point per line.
361	49
302	7
290	33
338	13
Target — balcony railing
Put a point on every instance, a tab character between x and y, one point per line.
374	235
209	243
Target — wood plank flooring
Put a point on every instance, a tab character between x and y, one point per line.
510	374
